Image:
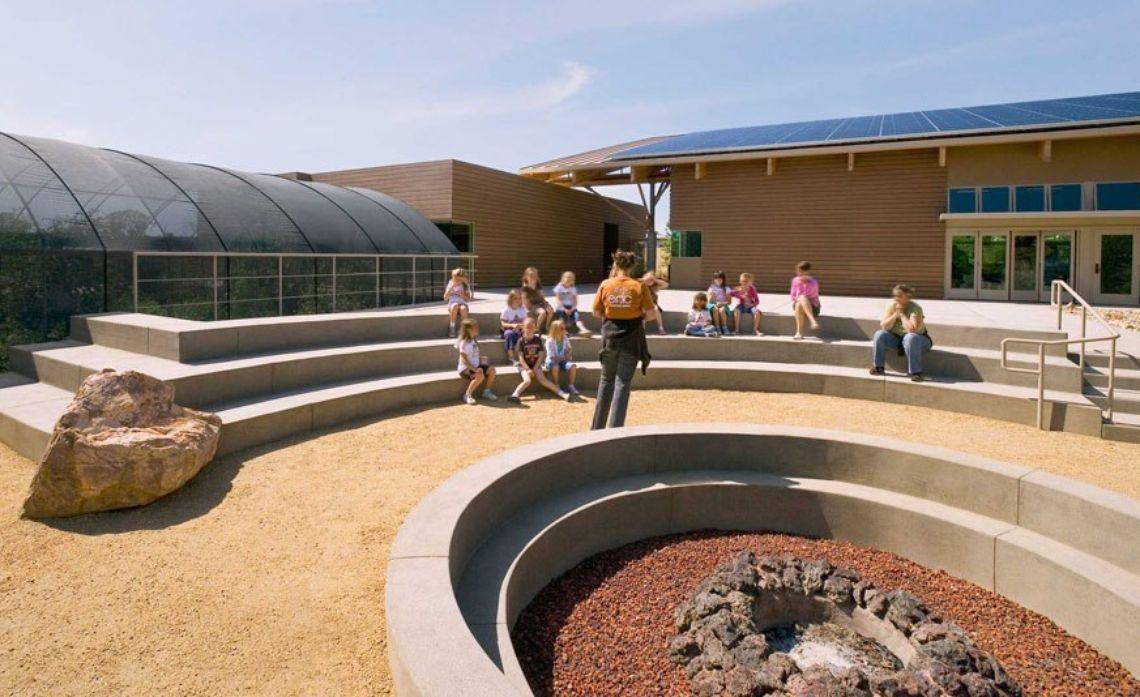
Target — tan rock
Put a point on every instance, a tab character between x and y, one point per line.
121	442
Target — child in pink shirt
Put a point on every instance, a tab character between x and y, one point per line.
748	302
805	299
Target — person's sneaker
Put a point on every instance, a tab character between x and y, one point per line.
877	371
564	395
468	399
798	337
513	398
583	330
572	390
490	396
917	377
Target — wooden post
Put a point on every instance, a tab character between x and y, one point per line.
1045	150
850	162
771	166
700	170
942	157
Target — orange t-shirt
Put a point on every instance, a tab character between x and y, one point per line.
622	297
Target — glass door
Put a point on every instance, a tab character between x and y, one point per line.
1115	267
993	266
1056	259
1024	281
962	273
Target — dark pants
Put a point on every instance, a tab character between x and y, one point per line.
618	368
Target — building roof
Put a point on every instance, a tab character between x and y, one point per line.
1051	115
58	195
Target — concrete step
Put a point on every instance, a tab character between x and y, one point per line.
1126	379
1124	427
1123	401
190	341
66	364
1099	358
28	412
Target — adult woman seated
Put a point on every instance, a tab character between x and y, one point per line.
902	327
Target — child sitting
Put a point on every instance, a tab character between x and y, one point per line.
510	324
558	359
721	308
533	299
457	295
655	286
567	310
531	354
748	302
700	319
472	366
805	299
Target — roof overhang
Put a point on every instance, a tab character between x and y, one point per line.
573	171
1038	221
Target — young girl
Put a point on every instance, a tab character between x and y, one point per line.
655	285
805	299
748	302
567	310
472	366
721	301
510	324
457	295
532	355
533	299
700	319
558	359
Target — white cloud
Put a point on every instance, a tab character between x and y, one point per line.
553	92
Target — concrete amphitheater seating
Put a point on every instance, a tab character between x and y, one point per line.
477	549
271	378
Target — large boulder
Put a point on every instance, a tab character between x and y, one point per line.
121	442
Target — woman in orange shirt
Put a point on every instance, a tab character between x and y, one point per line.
623	303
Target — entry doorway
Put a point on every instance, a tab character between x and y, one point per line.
1116	267
611	239
1008	264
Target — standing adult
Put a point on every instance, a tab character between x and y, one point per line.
903	327
623	302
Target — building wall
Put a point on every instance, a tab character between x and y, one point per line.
521	222
423	185
1073	161
518	222
863	230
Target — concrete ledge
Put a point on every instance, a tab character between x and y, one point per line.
500	530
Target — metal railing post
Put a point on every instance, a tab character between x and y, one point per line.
215	256
1084	324
1040	386
135	273
280	285
377	261
415	280
1111	375
1055	298
334	284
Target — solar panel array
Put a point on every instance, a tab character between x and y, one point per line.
914	124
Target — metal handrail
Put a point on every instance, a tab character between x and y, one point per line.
1055	290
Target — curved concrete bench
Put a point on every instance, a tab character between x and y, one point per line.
478	548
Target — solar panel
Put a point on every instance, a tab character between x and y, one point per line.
990	118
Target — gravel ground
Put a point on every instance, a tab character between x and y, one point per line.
265	574
603	628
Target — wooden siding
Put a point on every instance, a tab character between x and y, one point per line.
863	230
521	222
425	186
1072	161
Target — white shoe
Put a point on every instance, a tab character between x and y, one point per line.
798	337
468	399
572	390
564	395
490	396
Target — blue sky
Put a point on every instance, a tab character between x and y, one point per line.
276	85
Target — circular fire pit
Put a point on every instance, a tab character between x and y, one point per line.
786	625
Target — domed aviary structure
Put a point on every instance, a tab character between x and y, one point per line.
86	229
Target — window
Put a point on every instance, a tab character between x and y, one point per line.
686	243
1029	199
962	201
460	234
1065	197
995	199
1118	196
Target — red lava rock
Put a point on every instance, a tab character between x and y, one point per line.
604	627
